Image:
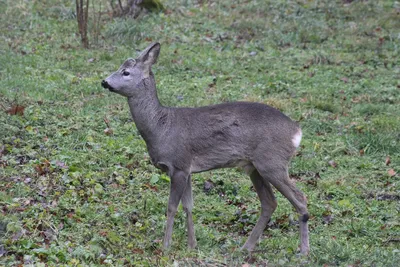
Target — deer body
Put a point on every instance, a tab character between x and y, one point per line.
182	141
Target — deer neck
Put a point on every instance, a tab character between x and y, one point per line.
147	111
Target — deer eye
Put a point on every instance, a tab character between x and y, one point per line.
125	73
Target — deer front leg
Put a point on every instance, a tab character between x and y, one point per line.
178	185
187	203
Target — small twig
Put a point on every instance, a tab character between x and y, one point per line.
107	122
392	239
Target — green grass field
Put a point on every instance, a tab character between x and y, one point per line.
72	194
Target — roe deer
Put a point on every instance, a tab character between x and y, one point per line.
182	141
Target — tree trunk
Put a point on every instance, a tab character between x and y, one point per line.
82	17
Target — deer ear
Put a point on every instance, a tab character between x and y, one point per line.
149	56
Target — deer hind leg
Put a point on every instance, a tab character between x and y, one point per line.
277	175
268	206
178	186
187	203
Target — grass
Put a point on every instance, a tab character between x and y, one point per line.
71	195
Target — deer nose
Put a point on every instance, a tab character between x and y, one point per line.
105	84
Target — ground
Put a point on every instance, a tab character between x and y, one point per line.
76	184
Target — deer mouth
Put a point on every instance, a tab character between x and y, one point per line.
106	85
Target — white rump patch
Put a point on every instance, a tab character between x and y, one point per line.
297	138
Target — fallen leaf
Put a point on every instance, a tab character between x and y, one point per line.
391	172
153	188
157	252
387	184
43	167
16	110
387	161
332	163
108	131
137	251
344	79
107	122
250	259
103	233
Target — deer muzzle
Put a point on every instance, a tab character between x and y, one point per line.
105	85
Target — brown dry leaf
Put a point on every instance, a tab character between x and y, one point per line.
16	110
107	122
137	251
391	172
344	79
153	188
43	167
103	233
108	131
387	161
